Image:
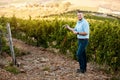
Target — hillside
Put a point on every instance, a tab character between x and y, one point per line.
88	3
38	8
43	64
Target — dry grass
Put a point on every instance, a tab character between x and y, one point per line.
56	8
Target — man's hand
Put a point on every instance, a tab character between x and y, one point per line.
71	29
67	27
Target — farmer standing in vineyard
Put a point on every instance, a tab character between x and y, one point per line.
82	31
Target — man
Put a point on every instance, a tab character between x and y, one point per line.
82	31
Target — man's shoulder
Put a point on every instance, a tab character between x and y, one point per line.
85	21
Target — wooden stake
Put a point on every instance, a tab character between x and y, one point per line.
11	44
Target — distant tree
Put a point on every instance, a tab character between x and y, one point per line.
67	4
56	5
36	5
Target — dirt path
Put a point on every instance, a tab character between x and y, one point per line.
42	64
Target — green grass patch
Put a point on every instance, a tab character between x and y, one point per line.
12	69
46	68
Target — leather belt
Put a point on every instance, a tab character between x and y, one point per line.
84	39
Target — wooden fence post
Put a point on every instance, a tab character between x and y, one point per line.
11	44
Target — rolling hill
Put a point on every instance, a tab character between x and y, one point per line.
37	8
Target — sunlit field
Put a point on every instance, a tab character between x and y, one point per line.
39	8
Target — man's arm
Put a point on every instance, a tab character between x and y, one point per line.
71	29
75	32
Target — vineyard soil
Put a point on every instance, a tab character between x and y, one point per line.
42	64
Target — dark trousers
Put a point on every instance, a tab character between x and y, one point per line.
81	53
